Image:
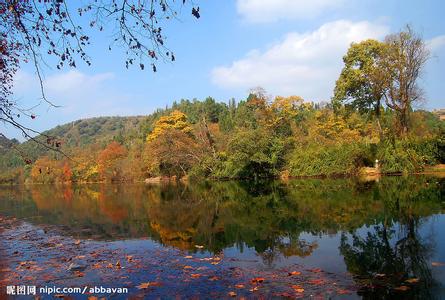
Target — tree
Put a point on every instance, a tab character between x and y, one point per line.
362	81
33	30
175	120
390	70
404	61
172	145
109	159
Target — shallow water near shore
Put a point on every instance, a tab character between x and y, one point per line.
327	238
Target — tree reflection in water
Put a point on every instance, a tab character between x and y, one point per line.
394	256
269	217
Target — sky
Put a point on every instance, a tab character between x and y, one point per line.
287	47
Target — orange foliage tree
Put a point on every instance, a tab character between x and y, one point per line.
109	162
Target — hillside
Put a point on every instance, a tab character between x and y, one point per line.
78	133
6	144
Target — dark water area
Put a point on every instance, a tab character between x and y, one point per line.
383	239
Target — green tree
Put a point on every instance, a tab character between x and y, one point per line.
362	81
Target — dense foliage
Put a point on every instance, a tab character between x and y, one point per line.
259	137
255	138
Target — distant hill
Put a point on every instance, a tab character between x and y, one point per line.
7	144
78	133
100	129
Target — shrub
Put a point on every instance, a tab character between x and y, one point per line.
340	159
408	155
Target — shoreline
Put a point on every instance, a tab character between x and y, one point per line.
438	170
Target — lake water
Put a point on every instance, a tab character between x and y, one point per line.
377	236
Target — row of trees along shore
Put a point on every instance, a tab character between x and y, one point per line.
371	117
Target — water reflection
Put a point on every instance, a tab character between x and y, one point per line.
378	221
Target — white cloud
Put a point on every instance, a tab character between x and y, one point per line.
75	81
264	11
304	64
78	94
436	43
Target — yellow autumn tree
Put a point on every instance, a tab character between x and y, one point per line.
175	120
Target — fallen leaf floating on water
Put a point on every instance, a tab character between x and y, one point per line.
188	267
412	280
298	289
239	286
146	285
129	258
92	298
77	242
257	280
79	274
294	273
232	294
118	264
402	288
437	264
316	281
343	292
195	275
188	257
213	278
254	289
199	246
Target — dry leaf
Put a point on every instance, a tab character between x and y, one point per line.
232	294
437	264
402	288
294	273
239	286
412	280
257	280
146	285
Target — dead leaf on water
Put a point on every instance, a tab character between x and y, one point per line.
257	280
239	286
294	273
402	288
437	264
232	294
298	289
146	285
412	280
199	246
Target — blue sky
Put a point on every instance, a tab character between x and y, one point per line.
288	47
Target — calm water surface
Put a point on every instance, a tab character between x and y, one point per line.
394	226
